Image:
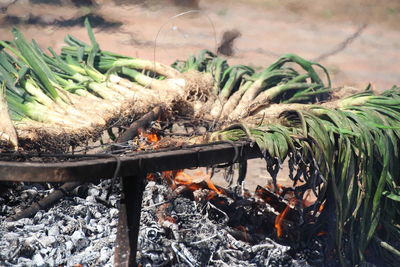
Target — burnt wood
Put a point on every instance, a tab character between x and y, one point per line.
143	123
122	247
103	168
45	202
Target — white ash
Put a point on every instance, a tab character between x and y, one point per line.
82	230
186	235
76	230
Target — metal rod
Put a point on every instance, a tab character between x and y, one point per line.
95	169
129	220
122	247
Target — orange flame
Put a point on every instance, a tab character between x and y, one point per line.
277	190
150	176
321	208
279	219
211	195
321	233
212	186
183	178
168	174
151	137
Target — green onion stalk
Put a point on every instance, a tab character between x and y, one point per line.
165	82
279	84
8	135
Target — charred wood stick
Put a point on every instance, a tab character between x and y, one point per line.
46	202
63	190
277	203
141	123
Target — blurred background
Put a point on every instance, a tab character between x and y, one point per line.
357	40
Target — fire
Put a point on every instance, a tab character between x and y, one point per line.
150	176
150	137
211	195
168	174
279	219
277	190
212	186
321	233
181	177
321	208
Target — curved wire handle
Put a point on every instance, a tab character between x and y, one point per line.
180	15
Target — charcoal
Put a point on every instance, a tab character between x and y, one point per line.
38	216
38	260
94	192
74	231
178	227
47	241
25	262
194	231
53	231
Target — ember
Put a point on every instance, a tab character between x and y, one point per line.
202	226
148	139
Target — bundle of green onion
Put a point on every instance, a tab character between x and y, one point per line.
77	94
240	91
62	100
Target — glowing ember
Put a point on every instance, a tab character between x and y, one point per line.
168	174
150	176
211	195
321	208
322	233
150	137
277	190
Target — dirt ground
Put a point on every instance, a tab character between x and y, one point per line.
268	29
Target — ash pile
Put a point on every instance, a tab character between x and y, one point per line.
79	229
199	224
183	223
